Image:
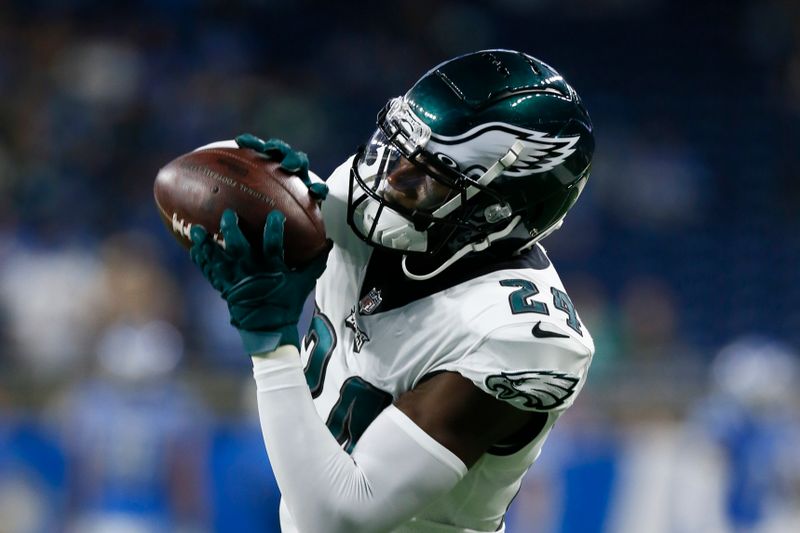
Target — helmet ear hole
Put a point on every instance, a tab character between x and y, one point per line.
447	161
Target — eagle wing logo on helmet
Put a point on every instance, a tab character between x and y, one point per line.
533	389
540	152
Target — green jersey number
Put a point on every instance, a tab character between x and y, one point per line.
359	401
359	404
521	301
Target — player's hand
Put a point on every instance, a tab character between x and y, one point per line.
265	297
291	160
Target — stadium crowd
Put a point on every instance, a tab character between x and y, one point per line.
125	406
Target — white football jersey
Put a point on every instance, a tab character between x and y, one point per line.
510	328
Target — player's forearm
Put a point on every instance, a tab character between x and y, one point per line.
393	472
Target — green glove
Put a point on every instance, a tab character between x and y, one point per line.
265	297
292	161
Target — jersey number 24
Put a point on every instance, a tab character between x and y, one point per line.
359	401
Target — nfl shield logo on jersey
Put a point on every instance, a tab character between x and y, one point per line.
370	302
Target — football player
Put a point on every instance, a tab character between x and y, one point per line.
443	346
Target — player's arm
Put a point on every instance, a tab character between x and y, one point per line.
395	470
502	392
414	452
464	419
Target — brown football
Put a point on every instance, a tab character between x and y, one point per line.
198	186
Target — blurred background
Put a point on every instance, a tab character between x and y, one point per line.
125	402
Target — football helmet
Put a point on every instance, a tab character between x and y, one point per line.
492	145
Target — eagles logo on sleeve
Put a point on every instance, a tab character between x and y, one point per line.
534	389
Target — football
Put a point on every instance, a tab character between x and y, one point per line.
198	186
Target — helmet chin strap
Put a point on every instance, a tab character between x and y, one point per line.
491	173
539	237
473	247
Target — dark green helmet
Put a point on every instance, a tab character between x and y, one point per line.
493	145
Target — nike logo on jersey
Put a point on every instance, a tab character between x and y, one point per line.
538	332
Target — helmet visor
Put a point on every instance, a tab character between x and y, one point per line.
397	180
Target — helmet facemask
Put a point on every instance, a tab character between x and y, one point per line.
404	198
